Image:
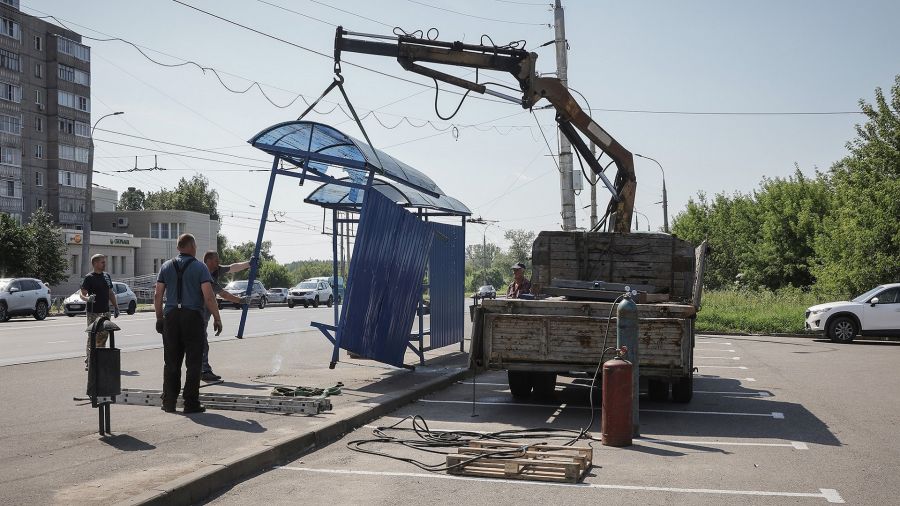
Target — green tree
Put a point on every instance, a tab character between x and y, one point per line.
272	274
242	252
190	195
859	246
132	199
47	249
14	247
490	276
305	269
520	242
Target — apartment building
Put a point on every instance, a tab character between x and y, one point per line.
45	119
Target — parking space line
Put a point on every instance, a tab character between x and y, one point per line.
715	350
748	394
725	358
523	404
723	366
830	495
57	342
797	445
707	376
556	413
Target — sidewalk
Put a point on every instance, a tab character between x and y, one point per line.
50	452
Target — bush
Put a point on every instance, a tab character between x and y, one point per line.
758	312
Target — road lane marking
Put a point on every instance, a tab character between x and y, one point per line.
707	376
724	358
829	494
723	366
556	413
523	404
57	342
130	335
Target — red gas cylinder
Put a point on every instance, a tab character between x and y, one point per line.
615	425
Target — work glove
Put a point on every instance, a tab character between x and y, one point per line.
116	312
217	326
159	326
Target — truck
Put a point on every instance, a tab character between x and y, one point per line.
535	340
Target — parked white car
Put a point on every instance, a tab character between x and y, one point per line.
277	295
125	297
23	297
874	313
310	293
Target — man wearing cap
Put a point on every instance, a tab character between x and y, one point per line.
187	286
97	291
211	259
520	284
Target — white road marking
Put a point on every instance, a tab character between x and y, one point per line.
724	358
130	335
797	445
830	495
556	413
717	350
707	376
440	401
749	394
57	342
723	366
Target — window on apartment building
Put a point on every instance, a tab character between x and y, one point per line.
10	60
10	189
39	99
11	124
74	179
66	99
66	125
39	151
72	48
38	43
40	202
10	92
10	156
39	123
10	28
82	129
39	178
84	104
73	75
38	70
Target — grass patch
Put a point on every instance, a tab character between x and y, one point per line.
755	312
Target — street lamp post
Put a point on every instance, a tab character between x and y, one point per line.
636	225
89	210
665	200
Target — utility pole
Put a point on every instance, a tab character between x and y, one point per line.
566	183
593	180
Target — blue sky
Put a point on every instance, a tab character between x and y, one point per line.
687	56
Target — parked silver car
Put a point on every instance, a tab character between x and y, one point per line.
277	295
23	297
125	297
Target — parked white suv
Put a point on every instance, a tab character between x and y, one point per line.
874	313
23	297
310	292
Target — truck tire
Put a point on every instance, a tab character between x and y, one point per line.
658	390
519	383
683	389
544	384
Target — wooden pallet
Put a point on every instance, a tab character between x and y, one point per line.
564	464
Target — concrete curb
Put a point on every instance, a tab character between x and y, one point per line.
204	482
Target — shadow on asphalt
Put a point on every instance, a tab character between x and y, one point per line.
127	443
130	373
857	342
246	386
217	421
741	414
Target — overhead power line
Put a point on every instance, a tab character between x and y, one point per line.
478	17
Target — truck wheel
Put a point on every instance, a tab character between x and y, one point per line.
658	390
291	304
683	389
544	384
519	383
330	301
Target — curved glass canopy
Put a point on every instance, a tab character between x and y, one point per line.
316	147
335	196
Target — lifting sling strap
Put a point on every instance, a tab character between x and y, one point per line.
180	273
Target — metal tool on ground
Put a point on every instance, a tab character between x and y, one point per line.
235	402
104	371
301	391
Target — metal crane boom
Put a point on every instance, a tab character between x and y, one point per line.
571	118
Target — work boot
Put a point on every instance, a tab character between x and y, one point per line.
199	408
168	409
210	376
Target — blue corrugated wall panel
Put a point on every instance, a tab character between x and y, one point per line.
385	280
446	276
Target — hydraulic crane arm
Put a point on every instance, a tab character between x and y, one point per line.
571	118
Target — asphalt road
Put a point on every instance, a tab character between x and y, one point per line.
773	421
26	340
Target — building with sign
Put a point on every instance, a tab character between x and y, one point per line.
120	250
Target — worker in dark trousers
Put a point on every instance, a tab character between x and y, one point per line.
211	259
188	289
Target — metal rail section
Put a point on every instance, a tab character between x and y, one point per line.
234	402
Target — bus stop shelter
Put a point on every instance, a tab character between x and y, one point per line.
402	247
